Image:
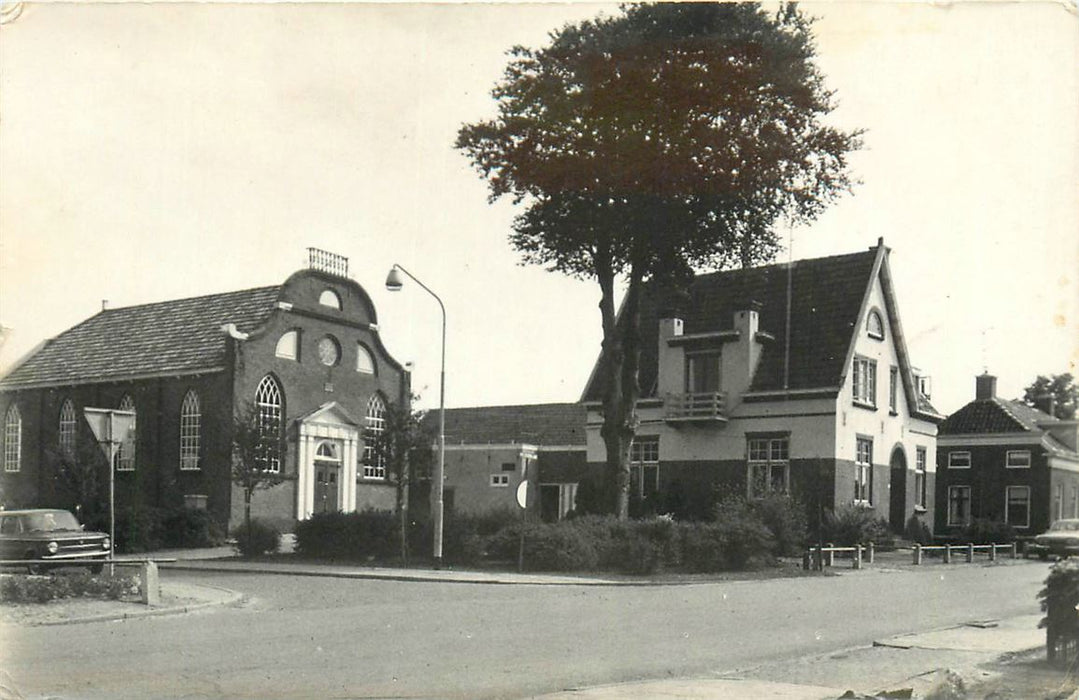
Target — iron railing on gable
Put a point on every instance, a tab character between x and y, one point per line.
325	261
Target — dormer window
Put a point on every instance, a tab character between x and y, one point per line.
330	298
875	325
288	346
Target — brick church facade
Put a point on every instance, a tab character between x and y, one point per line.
305	355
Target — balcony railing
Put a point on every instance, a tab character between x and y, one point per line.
700	407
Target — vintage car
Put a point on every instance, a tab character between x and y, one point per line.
52	537
1060	540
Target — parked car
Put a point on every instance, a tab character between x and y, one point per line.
1061	539
50	536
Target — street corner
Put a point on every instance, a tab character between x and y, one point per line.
176	598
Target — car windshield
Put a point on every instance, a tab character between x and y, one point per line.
51	521
1063	525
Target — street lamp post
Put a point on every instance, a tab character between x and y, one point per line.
394	284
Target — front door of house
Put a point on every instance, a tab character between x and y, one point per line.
327	477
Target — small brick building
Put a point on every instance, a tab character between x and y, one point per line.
305	355
1004	461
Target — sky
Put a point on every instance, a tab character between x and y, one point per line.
160	151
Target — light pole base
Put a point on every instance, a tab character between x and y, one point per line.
438	563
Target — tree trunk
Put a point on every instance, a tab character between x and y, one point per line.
619	361
247	510
402	511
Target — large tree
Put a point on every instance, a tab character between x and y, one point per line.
404	446
258	454
665	138
1061	388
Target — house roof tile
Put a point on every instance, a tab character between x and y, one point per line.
826	298
171	337
537	424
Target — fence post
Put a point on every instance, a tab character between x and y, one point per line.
820	558
857	556
993	552
917	554
947	553
872	549
1015	550
150	584
805	560
831	554
970	552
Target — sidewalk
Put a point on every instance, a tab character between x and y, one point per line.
919	662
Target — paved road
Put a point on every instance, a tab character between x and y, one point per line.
303	637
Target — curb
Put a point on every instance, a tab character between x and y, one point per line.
233	598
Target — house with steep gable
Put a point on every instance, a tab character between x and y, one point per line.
1005	461
787	378
305	355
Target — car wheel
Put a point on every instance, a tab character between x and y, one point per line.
35	569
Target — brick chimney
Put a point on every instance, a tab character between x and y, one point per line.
985	387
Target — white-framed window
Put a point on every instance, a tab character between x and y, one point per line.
1058	502
12	439
125	456
874	325
365	363
374	461
863	471
330	298
68	427
893	389
920	461
269	404
865	381
1017	506
327	452
500	480
958	505
1017	459
644	465
702	372
288	345
959	460
190	431
768	464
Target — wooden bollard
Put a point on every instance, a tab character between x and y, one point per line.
917	554
820	558
947	554
805	560
872	547
992	552
1015	550
831	554
857	556
970	552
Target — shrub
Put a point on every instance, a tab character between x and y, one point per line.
256	539
853	525
556	547
917	531
747	541
189	527
19	588
785	518
138	529
351	536
639	546
704	548
982	531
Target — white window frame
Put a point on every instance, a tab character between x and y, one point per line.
921	460
952	461
126	462
644	461
270	405
697	361
374	462
878	332
863	471
68	428
969	501
864	381
190	431
365	361
500	480
330	298
767	453
12	439
1058	502
1007	505
1024	463
288	345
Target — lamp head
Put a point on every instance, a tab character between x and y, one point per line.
393	280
